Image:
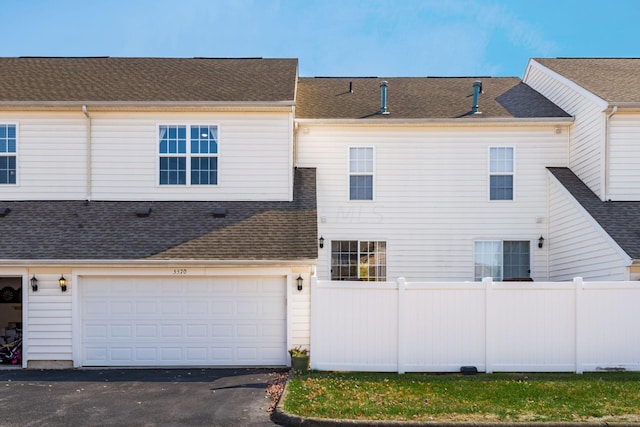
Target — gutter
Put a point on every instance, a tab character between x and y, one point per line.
605	179
89	154
150	105
541	121
169	263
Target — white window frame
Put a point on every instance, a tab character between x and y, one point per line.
501	254
357	173
384	265
512	173
187	155
16	154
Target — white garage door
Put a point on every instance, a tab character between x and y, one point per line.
183	321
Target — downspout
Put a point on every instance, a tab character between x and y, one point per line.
606	153
89	149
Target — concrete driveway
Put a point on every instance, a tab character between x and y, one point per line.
135	397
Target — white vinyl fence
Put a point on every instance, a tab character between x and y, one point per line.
502	326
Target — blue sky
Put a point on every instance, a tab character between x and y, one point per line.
330	37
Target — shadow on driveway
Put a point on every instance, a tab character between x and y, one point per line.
135	397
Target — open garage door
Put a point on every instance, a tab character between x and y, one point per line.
203	321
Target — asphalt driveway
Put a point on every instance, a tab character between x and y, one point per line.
135	397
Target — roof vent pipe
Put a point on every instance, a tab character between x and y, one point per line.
383	96
477	90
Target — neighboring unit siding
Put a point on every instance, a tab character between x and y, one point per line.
49	325
587	134
576	245
254	160
51	156
624	158
431	193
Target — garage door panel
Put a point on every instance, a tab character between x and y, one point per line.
182	321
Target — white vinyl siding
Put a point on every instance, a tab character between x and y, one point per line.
53	156
48	332
431	199
578	244
587	133
624	158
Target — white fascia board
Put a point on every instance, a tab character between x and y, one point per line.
591	220
542	121
567	82
154	263
150	106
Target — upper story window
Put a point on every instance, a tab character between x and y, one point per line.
358	260
501	168
188	155
502	260
8	141
361	173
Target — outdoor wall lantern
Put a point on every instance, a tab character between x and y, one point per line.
321	240
34	283
63	283
299	280
540	242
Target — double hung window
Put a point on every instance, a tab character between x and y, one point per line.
358	260
188	154
8	142
361	173
502	260
501	169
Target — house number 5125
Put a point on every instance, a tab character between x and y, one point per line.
179	271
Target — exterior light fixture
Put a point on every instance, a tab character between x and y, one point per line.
63	283
34	283
540	242
321	240
299	280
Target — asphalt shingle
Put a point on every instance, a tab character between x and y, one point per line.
147	79
621	220
105	230
420	98
612	79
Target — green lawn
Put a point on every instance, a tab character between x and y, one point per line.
591	397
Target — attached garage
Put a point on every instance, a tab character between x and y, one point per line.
183	321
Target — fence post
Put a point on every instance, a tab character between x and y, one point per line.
579	290
402	330
488	288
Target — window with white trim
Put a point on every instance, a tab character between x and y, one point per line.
361	173
501	170
8	145
358	260
188	154
502	259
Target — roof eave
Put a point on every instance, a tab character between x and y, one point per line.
152	262
541	121
285	105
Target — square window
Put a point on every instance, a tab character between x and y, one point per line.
196	166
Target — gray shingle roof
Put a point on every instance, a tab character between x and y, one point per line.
100	230
612	79
621	220
147	79
420	98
